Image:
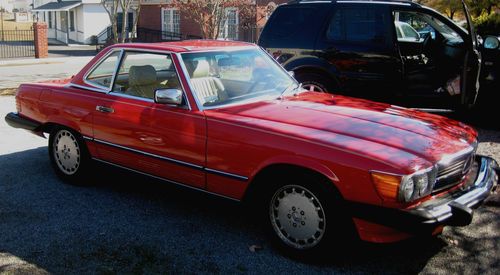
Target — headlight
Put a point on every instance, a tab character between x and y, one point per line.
405	188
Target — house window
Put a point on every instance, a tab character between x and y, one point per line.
72	21
170	23
50	20
229	25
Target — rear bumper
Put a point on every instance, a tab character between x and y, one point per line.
16	121
455	208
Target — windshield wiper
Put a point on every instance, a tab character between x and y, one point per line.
292	88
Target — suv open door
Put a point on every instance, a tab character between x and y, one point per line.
472	65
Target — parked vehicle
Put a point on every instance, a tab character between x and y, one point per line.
394	51
225	118
490	73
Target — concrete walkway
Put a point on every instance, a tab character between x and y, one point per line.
17	71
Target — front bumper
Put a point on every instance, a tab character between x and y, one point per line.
454	208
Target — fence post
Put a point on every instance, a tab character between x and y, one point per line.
41	40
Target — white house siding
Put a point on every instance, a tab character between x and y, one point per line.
95	20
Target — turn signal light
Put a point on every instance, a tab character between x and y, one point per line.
387	185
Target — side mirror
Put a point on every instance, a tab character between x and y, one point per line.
168	96
491	42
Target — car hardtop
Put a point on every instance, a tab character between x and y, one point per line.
187	46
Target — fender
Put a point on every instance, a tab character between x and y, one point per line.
312	63
57	119
297	161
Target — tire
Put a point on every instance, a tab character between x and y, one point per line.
69	156
314	220
316	82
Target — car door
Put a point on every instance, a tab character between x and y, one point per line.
358	42
442	62
134	132
472	64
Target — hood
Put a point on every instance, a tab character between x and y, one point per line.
368	123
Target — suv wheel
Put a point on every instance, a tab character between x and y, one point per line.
316	82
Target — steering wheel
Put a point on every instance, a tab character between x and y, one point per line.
262	79
427	44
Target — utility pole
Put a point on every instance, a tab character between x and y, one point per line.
1	20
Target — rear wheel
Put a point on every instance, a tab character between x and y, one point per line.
69	156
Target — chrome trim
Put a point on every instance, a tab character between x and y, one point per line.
447	159
118	94
117	69
188	80
84	78
88	88
188	77
374	2
88	138
175	161
166	180
483	184
198	167
221	173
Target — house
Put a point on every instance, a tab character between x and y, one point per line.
162	16
75	21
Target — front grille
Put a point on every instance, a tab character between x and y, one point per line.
452	173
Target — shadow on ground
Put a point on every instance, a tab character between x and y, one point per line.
127	223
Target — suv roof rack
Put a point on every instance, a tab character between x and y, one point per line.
335	1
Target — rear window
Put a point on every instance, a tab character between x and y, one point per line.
295	26
287	21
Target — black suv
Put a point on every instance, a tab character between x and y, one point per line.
395	51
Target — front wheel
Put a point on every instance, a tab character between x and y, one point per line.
306	217
316	82
69	156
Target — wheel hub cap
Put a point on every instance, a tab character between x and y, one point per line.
297	216
66	152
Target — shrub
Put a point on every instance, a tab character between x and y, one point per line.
488	24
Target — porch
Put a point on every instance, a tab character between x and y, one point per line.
64	20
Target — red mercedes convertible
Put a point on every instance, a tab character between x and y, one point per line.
225	118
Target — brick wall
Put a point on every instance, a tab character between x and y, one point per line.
41	40
150	18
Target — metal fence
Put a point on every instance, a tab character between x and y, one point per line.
17	43
151	36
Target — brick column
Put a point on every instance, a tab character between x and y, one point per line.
41	40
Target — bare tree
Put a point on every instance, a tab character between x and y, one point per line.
113	8
210	15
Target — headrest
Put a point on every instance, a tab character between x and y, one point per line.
202	69
142	75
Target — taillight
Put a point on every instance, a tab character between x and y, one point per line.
18	105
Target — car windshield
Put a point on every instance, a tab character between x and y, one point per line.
220	78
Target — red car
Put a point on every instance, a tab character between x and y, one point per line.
225	118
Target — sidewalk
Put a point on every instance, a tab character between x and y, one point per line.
17	71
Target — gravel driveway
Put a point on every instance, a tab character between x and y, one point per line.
127	223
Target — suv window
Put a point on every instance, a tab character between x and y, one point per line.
141	74
102	75
288	21
357	25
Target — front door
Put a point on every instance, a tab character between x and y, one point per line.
131	130
438	58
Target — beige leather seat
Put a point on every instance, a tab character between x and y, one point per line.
142	81
206	87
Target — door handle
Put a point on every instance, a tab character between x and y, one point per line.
103	109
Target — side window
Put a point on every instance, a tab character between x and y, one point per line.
358	25
141	74
102	75
290	21
424	25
